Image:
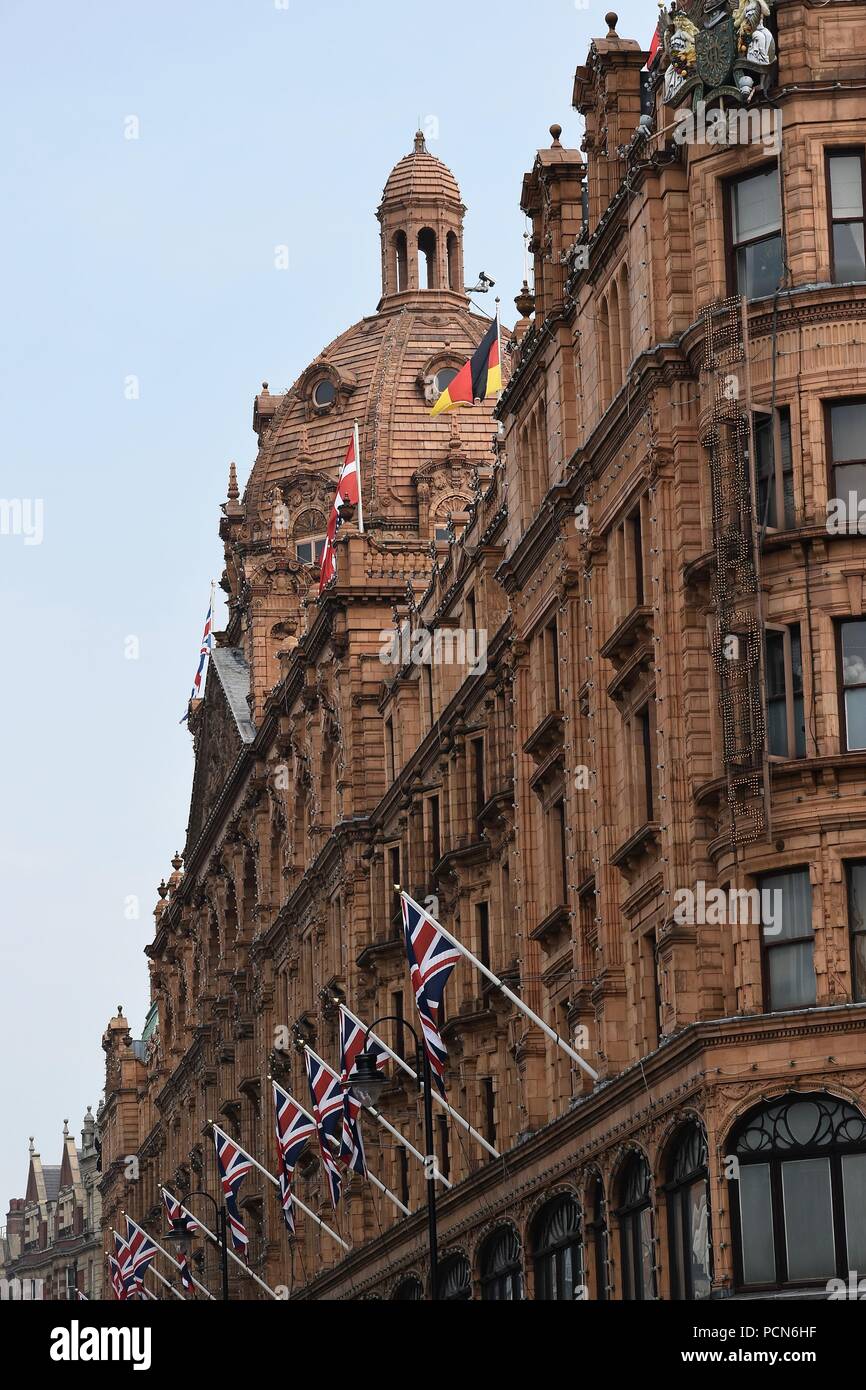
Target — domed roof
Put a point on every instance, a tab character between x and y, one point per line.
421	175
381	371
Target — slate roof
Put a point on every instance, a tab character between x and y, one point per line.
52	1182
233	674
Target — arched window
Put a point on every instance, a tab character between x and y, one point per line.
558	1251
596	1235
615	356
455	1280
636	1231
427	259
443	379
408	1290
453	263
501	1273
689	1214
624	321
309	537
603	335
799	1206
401	261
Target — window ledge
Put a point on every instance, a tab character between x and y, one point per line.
555	924
637	846
635	629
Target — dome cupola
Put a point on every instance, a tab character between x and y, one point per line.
421	215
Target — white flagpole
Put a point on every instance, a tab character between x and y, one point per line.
169	1257
401	1138
410	1071
167	1283
358	471
509	994
392	1196
499	347
276	1182
218	1243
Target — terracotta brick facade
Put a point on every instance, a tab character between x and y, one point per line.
555	799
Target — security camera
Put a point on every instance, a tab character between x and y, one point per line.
485	279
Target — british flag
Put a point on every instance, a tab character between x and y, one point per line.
125	1282
179	1218
233	1166
186	1273
327	1097
115	1274
353	1041
294	1129
142	1253
432	957
204	653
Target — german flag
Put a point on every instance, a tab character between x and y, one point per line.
479	378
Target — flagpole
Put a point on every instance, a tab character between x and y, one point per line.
372	1178
499	347
401	1138
220	1244
276	1182
509	994
169	1257
410	1071
358	470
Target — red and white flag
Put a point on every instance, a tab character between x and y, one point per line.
348	491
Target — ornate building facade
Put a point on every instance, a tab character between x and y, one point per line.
53	1236
630	776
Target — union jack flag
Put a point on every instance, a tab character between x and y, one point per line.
294	1129
327	1097
233	1166
179	1218
142	1253
352	1037
185	1273
115	1274
204	653
125	1281
432	957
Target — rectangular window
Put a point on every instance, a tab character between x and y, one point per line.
635	553
471	611
852	654
555	889
775	483
645	764
403	1169
489	1103
756	1224
435	830
551	654
755	234
482	918
847	448
786	728
390	750
478	774
857	926
845	180
427	668
444	1154
788	940
394	890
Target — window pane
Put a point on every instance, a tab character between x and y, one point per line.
850	478
787	911
646	1251
787	466
809	1219
678	1283
855	719
756	205
854	1187
848	259
846	185
777	728
792	976
699	1243
759	268
848	429
775	663
756	1224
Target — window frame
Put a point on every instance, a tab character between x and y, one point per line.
543	1256
776	488
788	941
843	152
677	1191
732	246
842	687
833	490
857	996
631	1237
789	695
512	1274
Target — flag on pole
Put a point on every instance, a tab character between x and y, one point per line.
327	1098
233	1166
123	1262
479	378
142	1253
185	1273
294	1129
348	491
351	1044
431	957
655	44
179	1218
82	1297
204	653
115	1274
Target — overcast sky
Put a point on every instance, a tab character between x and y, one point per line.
259	123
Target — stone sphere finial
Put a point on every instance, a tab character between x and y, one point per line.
556	131
610	20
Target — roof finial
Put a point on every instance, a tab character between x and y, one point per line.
65	1129
610	20
32	1145
420	142
233	492
556	131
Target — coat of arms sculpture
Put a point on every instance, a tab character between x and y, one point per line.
715	49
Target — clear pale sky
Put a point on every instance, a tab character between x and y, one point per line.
260	124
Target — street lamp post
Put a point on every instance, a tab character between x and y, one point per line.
221	1230
367	1081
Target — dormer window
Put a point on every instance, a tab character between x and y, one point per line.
443	380
310	552
309	537
324	393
